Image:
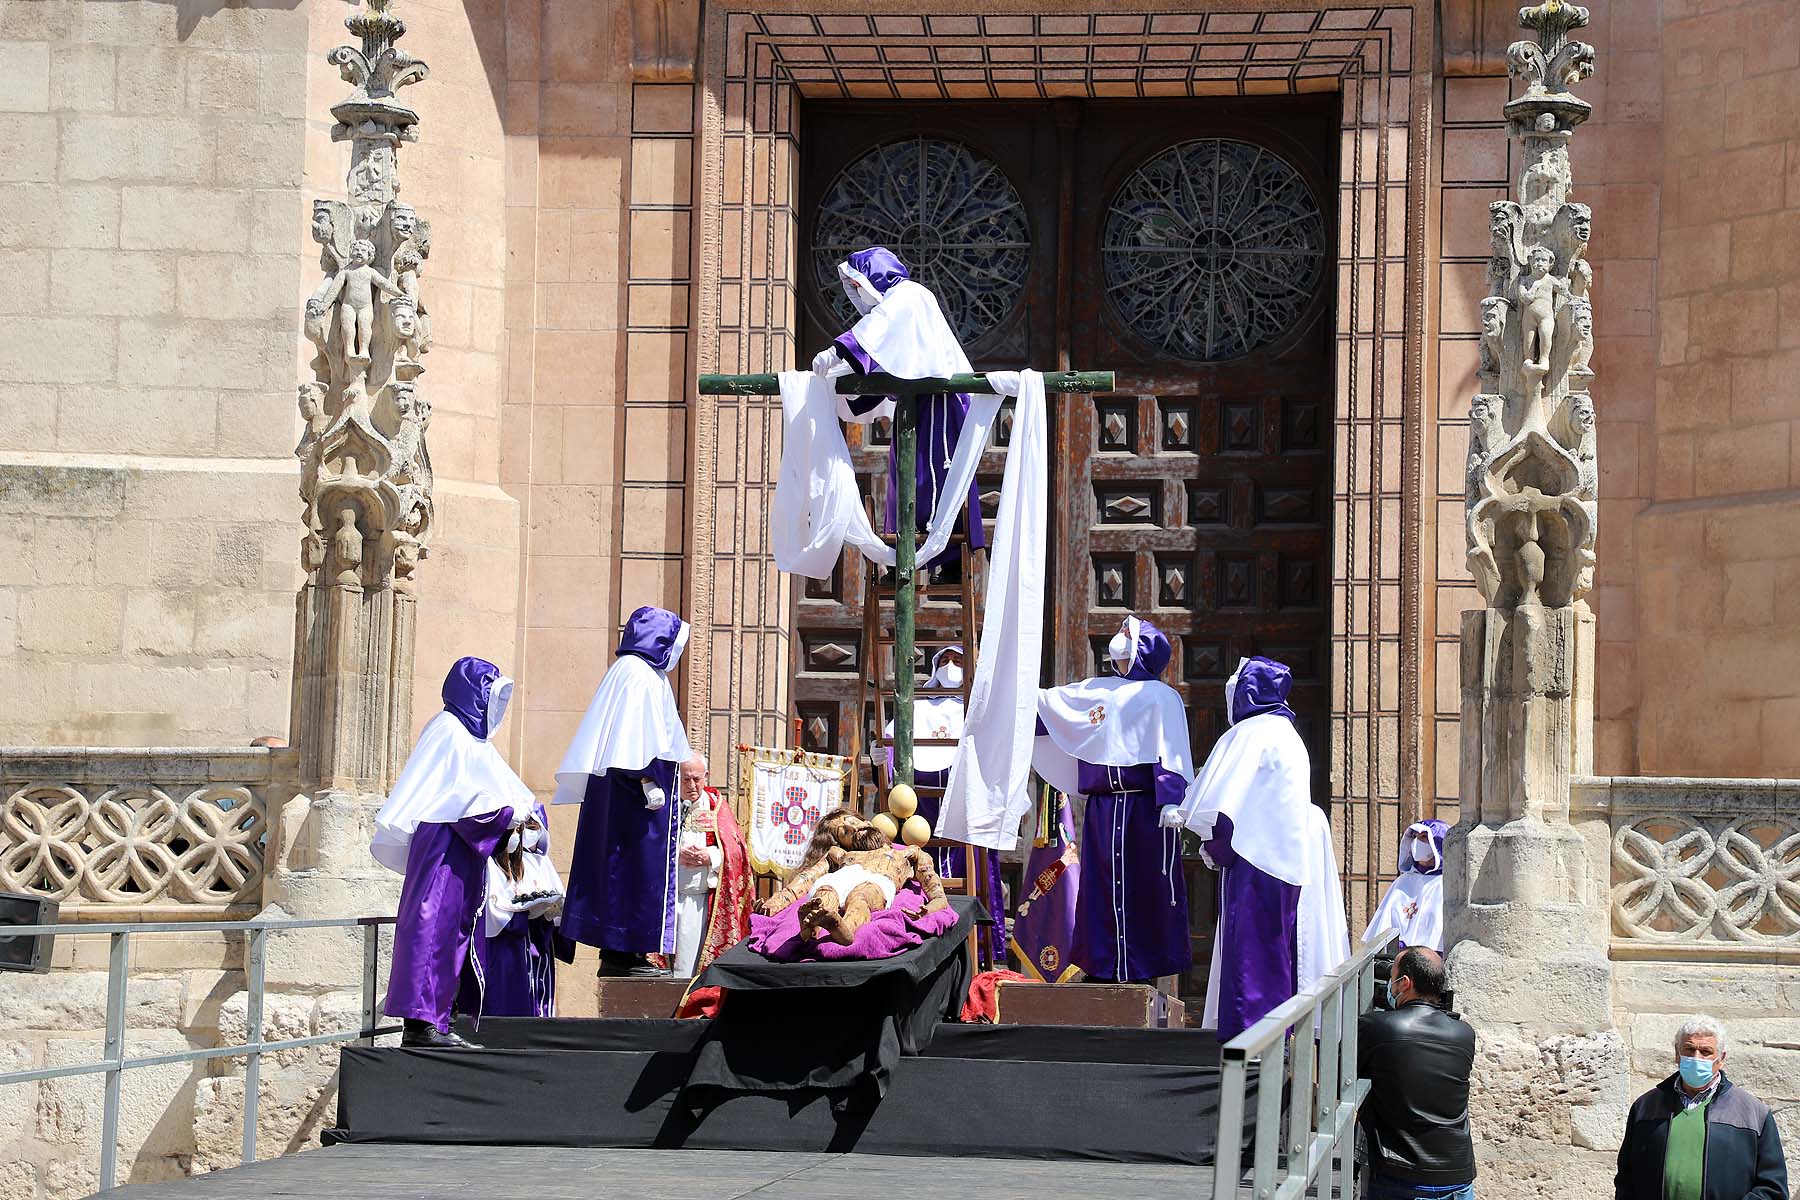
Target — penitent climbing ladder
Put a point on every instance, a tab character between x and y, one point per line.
892	686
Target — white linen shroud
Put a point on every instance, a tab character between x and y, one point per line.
451	774
1259	775
989	791
817	508
1143	722
631	720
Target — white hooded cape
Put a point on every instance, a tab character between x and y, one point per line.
1414	903
451	774
631	720
1259	775
1113	722
907	334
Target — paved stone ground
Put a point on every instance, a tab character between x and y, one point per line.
366	1172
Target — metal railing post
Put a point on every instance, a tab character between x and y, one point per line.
1271	1077
118	970
254	961
1228	1144
371	976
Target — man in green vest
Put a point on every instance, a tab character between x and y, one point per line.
1696	1137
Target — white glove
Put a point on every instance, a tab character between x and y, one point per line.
654	796
1207	859
825	360
1170	816
1004	383
534	838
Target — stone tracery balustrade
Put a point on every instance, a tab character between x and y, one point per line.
1706	864
147	829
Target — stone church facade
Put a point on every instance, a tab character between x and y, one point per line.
622	194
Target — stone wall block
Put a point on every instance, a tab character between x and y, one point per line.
65	620
177	218
86	351
137	148
82	78
77	1000
155	1106
38	215
111	283
24	76
28	271
27	148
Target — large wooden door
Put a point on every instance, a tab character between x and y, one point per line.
1186	246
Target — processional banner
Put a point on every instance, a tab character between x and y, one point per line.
785	792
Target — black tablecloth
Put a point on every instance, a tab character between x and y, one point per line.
828	1026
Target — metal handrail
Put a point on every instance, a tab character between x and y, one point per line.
1313	1035
118	973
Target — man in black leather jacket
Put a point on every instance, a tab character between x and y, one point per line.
1417	1058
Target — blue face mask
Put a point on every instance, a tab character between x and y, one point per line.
1696	1072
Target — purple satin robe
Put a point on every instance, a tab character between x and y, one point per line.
513	973
621	893
440	905
1131	916
940	423
1258	947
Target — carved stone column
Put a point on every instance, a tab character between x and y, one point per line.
1525	889
365	485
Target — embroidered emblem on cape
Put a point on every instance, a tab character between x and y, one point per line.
1096	714
1048	959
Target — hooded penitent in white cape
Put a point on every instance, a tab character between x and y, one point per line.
1260	776
1112	721
936	717
904	330
451	774
631	720
1414	904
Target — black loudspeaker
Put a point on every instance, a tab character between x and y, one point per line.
26	953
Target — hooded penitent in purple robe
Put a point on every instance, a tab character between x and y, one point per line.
1281	911
621	769
512	972
448	813
1128	742
940	416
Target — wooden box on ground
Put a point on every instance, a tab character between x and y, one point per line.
621	996
1115	1005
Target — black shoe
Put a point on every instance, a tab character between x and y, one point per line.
616	964
423	1035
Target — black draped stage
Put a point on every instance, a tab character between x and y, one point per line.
1013	1091
805	1057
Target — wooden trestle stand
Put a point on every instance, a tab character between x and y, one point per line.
884	653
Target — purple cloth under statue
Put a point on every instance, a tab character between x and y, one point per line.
897	928
940	416
621	883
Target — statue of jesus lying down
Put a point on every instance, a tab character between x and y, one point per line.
852	869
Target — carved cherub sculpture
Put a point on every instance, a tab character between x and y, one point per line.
852	870
1540	294
353	291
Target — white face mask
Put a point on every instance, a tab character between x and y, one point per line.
533	838
1422	852
1119	650
950	675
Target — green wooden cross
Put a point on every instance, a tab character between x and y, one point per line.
906	498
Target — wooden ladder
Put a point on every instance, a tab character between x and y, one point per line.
947	614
